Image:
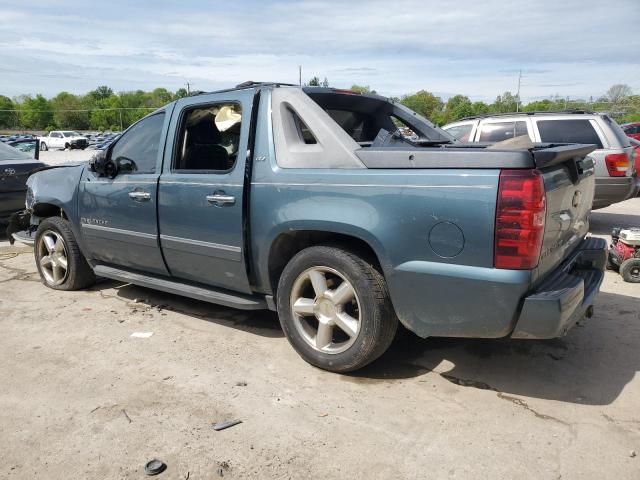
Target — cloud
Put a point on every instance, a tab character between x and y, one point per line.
477	49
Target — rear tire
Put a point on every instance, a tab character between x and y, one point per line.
630	270
60	263
335	310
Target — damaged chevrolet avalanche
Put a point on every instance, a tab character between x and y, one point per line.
309	202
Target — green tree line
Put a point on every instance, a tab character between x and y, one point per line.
619	102
103	109
100	109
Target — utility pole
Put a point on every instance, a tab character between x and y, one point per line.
518	93
188	88
300	75
121	119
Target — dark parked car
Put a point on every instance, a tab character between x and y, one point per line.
16	164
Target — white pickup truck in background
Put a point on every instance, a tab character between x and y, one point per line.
63	139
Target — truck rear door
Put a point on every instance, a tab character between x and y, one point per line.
200	198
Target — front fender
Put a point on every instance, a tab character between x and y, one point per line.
58	187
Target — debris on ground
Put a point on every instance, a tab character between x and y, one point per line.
124	412
223	467
141	334
154	467
222	425
241	384
632	454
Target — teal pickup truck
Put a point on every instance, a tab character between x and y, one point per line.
310	202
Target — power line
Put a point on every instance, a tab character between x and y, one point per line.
17	110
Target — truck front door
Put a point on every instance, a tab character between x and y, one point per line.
200	198
118	215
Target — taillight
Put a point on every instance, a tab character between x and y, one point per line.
617	164
520	215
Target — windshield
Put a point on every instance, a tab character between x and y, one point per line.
71	134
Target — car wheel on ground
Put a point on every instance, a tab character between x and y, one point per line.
58	258
334	308
43	147
67	146
630	270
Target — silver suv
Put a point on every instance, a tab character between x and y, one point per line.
615	172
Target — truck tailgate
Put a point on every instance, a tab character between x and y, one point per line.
569	181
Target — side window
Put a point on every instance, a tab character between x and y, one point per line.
359	126
303	131
138	146
404	129
461	132
55	135
209	138
568	131
496	132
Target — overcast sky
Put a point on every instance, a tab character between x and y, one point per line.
573	48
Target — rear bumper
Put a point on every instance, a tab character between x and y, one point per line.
610	190
566	295
435	299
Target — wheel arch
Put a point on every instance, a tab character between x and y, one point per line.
288	242
44	210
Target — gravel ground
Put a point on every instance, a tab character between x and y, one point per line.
81	398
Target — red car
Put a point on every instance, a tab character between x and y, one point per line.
632	130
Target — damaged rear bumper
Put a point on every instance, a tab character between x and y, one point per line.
566	296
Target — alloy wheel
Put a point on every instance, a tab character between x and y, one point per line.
53	258
326	310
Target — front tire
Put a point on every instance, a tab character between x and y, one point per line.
43	147
58	258
630	270
335	310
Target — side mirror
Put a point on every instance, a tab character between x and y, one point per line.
101	164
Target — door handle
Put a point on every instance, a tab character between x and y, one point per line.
220	199
140	196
